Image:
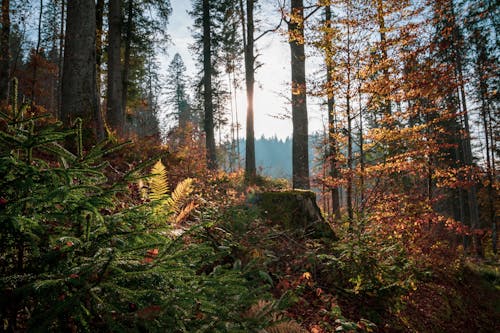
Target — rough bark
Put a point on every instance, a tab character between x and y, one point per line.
207	88
300	159
5	51
79	90
250	168
126	58
114	109
99	19
332	142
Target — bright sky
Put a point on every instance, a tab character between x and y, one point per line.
271	90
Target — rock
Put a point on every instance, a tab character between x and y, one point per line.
295	210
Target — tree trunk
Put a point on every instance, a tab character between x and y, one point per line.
349	128
79	90
114	109
35	56
207	88
467	149
300	153
126	59
332	141
383	45
250	168
99	13
61	60
5	52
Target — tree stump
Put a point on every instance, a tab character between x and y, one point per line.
295	210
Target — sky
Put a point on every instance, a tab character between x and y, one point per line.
272	79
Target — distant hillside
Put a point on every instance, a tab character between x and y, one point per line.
274	156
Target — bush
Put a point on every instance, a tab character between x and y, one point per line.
75	258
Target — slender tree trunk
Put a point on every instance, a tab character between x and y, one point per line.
126	59
350	213
35	56
472	191
114	109
207	88
5	52
383	46
79	90
332	141
61	60
250	168
99	19
300	152
481	60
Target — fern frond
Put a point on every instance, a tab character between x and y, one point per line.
158	184
185	212
179	196
285	327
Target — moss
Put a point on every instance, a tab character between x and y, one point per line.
294	210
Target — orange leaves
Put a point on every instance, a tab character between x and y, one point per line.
150	255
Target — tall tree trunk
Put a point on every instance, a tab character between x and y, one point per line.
332	141
114	109
466	140
126	59
35	56
99	19
5	52
383	45
250	168
207	88
79	90
61	60
300	152
350	212
481	61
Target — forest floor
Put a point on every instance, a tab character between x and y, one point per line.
440	292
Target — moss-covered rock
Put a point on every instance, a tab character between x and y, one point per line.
295	210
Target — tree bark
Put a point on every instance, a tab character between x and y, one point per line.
5	52
300	159
207	88
114	109
79	90
332	141
99	19
250	168
126	59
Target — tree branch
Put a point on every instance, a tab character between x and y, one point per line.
271	30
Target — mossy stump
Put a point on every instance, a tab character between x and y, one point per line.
295	210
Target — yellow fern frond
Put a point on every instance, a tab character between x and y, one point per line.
179	196
158	183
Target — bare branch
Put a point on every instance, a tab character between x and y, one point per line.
271	30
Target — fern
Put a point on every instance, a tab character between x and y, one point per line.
179	196
158	183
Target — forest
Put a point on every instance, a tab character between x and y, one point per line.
133	198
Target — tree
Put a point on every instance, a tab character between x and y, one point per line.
114	111
5	51
300	152
143	33
79	89
329	51
248	45
207	88
176	86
